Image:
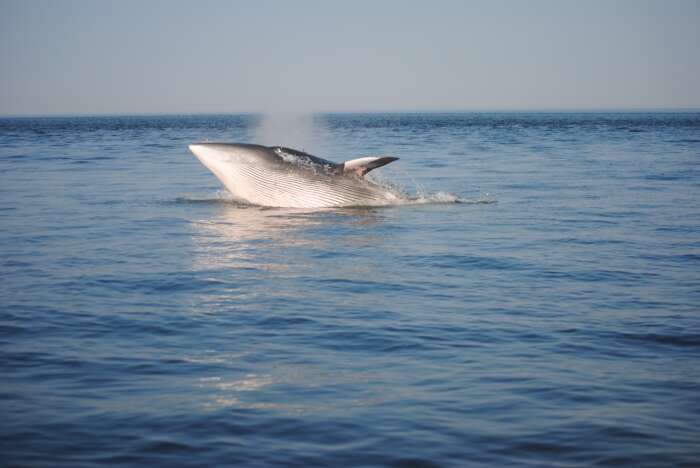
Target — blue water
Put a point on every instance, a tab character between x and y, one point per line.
550	318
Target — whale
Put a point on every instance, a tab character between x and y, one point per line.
277	176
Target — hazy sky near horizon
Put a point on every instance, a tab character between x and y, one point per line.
94	57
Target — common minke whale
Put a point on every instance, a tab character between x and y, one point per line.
284	177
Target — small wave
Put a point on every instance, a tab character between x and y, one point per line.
681	340
220	197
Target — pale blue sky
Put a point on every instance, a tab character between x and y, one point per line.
94	57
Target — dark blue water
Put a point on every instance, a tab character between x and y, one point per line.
147	319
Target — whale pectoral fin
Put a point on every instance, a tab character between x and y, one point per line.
362	166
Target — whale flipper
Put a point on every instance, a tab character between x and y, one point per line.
362	166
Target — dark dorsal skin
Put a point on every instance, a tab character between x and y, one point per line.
306	157
334	167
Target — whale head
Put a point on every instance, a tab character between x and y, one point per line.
214	155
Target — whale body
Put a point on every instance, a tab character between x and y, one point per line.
283	177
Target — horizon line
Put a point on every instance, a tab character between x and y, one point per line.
573	110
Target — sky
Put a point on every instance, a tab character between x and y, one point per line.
151	57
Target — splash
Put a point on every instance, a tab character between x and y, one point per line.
421	196
447	198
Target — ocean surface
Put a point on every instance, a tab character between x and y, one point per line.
536	303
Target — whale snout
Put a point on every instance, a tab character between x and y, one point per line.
219	150
198	150
195	149
230	153
210	156
208	153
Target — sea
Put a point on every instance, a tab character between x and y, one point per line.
533	301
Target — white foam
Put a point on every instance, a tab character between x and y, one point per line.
446	198
423	197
